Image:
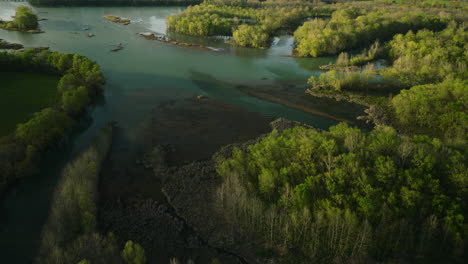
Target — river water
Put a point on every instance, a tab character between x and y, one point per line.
139	77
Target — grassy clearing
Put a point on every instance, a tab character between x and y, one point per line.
22	94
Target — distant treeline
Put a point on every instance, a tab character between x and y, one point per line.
113	2
81	82
249	26
352	28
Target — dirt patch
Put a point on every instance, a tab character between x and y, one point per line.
196	128
132	204
293	95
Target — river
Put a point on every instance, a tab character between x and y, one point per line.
139	77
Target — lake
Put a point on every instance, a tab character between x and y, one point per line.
139	78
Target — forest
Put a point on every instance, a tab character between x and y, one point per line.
81	82
318	29
249	26
346	195
426	83
349	28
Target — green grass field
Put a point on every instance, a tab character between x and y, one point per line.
21	95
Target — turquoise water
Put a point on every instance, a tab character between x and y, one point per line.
139	77
147	72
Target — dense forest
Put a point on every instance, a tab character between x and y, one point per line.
249	26
349	28
429	66
254	23
345	195
395	193
81	81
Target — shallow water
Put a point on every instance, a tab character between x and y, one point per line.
139	77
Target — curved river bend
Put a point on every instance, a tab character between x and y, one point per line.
139	77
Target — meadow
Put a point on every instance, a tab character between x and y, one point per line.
22	94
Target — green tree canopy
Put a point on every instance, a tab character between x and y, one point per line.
25	19
133	253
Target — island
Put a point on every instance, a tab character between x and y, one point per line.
167	39
7	45
24	20
116	19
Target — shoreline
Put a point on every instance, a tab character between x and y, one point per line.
294	101
191	190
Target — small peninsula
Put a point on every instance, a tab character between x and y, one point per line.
116	19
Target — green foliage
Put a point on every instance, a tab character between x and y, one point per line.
81	82
133	253
75	101
201	21
72	219
440	107
432	65
349	28
429	57
338	80
46	126
113	2
251	36
367	55
24	20
250	26
346	193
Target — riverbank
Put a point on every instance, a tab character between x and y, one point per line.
293	95
192	191
350	97
7	45
7	26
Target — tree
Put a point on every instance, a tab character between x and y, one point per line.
45	127
440	107
73	102
133	253
25	19
348	193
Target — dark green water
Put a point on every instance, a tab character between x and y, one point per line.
139	77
